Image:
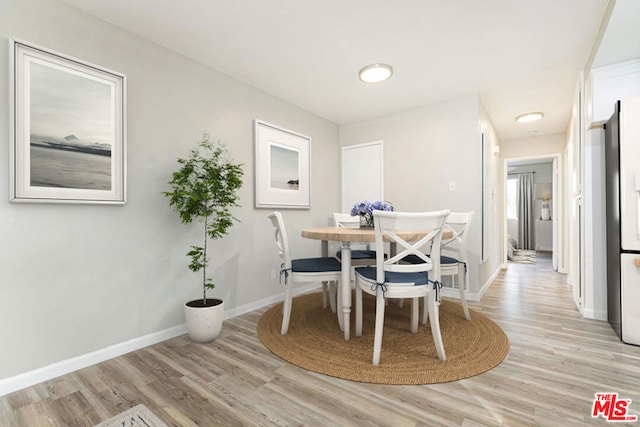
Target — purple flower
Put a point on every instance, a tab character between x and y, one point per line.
367	208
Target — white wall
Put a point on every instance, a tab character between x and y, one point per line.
430	147
534	146
79	278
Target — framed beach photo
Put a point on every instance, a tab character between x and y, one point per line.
283	168
68	129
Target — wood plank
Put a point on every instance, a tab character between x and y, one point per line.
557	362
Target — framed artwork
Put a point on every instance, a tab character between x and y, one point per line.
283	168
68	129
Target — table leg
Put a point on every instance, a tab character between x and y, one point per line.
326	289
345	288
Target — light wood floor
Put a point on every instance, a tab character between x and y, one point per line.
557	362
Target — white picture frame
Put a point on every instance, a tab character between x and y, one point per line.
282	168
68	129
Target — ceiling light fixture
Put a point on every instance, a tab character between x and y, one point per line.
529	117
375	73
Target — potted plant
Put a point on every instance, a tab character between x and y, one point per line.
204	188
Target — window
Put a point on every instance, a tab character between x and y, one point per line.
512	198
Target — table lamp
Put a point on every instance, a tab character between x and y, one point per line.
543	192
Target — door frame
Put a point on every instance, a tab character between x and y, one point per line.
367	145
558	252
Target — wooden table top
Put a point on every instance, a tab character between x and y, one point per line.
364	235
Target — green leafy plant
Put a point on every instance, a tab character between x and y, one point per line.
204	189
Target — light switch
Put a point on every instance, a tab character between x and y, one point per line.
452	186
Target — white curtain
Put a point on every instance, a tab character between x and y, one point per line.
525	211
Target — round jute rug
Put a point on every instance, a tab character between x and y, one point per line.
315	342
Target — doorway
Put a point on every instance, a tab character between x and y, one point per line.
532	209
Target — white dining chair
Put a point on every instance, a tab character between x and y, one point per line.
326	270
453	255
391	278
361	254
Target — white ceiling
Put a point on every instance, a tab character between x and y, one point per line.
518	55
621	42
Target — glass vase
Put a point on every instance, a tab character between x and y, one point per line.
366	221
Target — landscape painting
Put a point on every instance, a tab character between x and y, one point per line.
283	168
69	134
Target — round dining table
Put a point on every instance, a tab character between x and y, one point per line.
346	236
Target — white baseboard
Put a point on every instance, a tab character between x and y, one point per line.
472	296
490	280
31	378
593	314
237	311
28	379
453	293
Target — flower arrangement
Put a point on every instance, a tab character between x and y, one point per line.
365	211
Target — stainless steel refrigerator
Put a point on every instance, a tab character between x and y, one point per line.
622	166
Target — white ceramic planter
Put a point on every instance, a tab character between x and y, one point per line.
204	323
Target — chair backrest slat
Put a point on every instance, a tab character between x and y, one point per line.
281	239
345	220
388	225
459	224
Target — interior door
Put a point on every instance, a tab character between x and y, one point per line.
362	174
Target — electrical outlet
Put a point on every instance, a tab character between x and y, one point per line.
452	186
273	273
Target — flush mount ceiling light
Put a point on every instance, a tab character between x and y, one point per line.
375	73
529	117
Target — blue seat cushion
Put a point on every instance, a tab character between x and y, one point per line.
414	259
315	265
419	278
359	254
